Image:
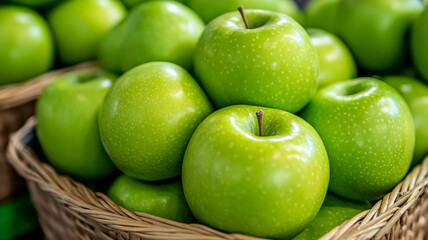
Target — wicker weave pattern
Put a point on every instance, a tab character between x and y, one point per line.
16	106
68	208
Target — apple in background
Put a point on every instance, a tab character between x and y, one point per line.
209	9
268	185
162	199
148	118
35	3
336	62
419	44
139	39
133	3
334	211
67	126
368	131
26	48
271	64
322	14
416	95
79	26
375	30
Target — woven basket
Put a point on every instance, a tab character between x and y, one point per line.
16	106
69	209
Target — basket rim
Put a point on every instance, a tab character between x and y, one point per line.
96	206
17	94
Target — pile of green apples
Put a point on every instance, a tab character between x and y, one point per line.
265	121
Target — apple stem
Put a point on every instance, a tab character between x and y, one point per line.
259	114
241	10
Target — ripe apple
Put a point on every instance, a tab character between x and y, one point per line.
416	95
209	9
26	48
334	211
162	199
368	131
271	64
67	128
79	26
375	30
139	39
268	184
336	62
419	44
322	14
148	118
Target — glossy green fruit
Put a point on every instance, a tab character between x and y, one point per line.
162	199
272	64
419	44
148	118
336	62
139	39
67	126
80	25
368	131
375	30
322	14
26	48
416	95
209	9
133	3
268	186
334	211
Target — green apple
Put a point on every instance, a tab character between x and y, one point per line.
336	61
322	14
139	39
162	199
148	118
334	211
268	185
133	3
375	30
271	64
416	95
35	3
67	126
209	9
79	26
419	44
368	131
26	48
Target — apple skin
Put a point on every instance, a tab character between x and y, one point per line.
162	199
67	124
375	30
322	14
148	117
79	26
133	3
138	39
416	95
209	9
269	186
272	64
419	44
334	211
368	131
35	3
23	54
336	61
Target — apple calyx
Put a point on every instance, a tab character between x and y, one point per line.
241	10
259	115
